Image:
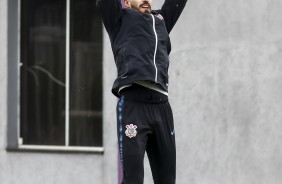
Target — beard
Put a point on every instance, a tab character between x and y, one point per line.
145	7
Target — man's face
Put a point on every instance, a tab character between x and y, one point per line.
143	6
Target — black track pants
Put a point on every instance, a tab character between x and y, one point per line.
145	123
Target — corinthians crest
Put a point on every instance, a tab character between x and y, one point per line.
131	130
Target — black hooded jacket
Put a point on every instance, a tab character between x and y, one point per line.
140	41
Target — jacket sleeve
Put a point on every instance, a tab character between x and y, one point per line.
111	11
171	11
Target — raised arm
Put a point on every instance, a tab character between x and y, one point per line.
111	11
171	11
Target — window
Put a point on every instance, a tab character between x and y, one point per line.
60	74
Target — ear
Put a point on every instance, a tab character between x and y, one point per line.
127	3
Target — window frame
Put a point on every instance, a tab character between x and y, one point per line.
14	142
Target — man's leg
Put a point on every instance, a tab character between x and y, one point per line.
161	146
132	136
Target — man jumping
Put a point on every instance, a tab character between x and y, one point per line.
141	45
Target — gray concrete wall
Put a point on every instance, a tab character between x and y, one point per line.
225	89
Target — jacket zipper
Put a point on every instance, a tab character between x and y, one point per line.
156	45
